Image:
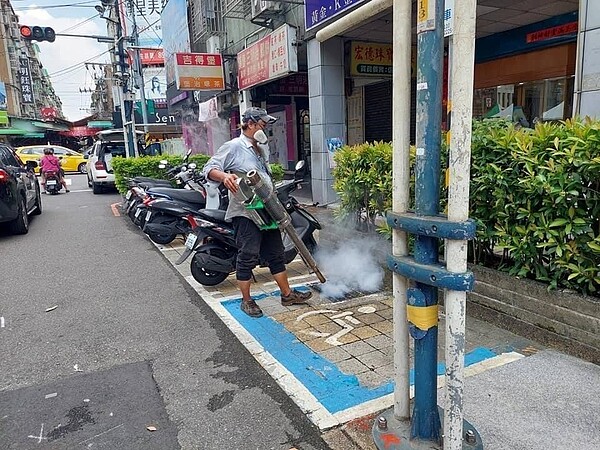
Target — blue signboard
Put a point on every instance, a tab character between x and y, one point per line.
319	12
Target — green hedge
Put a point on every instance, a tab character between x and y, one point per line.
147	166
535	195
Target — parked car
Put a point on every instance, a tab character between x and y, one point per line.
20	193
71	161
110	144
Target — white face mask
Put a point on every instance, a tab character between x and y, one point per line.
260	137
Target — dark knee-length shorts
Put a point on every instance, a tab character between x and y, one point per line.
254	245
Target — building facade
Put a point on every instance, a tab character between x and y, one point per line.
25	85
534	61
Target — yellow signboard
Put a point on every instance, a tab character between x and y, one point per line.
370	59
426	15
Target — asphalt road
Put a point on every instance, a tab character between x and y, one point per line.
103	345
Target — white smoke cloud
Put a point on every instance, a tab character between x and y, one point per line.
354	266
67	52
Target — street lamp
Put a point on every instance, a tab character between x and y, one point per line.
101	10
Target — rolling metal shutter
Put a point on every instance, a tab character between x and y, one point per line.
378	112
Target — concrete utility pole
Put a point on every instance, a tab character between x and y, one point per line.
424	430
125	101
138	70
461	93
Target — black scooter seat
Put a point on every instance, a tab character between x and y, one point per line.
170	207
150	180
217	215
184	195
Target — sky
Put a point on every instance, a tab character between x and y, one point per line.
65	58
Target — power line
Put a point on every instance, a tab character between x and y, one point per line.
76	5
76	66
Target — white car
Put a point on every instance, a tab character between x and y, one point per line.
109	145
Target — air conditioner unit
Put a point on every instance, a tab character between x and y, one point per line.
265	8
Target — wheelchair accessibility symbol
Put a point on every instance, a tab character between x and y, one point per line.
344	319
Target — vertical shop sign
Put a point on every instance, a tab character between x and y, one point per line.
274	56
3	104
175	33
25	80
2	96
448	18
319	12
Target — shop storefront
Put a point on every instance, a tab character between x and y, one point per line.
527	74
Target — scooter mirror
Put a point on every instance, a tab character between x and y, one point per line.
192	166
300	170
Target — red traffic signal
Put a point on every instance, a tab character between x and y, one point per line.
37	33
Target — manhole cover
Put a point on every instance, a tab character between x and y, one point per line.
337	293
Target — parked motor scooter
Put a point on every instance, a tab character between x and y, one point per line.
166	218
140	184
212	237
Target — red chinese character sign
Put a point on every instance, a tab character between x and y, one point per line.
199	71
272	57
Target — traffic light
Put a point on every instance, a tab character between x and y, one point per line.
37	33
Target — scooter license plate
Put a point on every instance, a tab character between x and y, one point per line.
128	195
51	182
191	241
148	215
137	213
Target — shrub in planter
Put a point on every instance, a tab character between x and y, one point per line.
363	181
536	195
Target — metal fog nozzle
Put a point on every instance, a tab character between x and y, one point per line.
280	215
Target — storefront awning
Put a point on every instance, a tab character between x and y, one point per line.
100	124
80	132
49	126
12	131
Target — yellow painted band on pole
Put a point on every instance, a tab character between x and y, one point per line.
423	317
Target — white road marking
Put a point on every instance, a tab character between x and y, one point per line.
100	434
2	322
312	313
54	394
346	328
40	437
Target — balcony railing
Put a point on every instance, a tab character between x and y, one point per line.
236	9
206	20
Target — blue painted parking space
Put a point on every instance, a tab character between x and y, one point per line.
334	389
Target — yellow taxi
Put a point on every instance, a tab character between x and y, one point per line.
71	161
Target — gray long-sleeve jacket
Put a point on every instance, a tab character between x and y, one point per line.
238	156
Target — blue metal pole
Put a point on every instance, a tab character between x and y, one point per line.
430	47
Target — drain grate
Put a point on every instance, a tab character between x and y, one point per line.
342	296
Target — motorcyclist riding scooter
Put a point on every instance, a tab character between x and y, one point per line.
52	173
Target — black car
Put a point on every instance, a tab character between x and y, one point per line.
20	193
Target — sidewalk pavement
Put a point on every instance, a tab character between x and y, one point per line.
335	359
